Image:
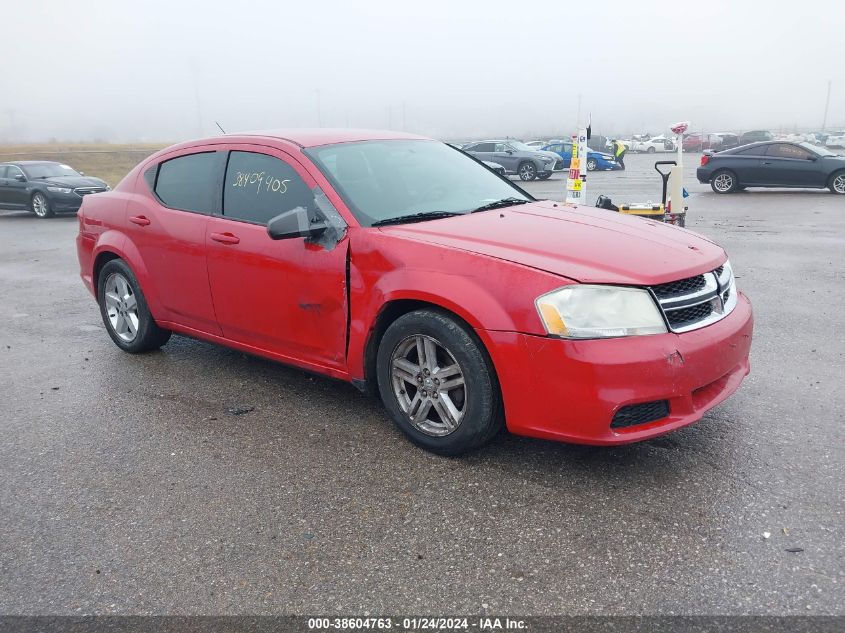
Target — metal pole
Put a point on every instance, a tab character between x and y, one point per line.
826	105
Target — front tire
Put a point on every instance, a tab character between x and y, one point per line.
438	383
724	181
651	150
527	171
837	182
40	205
592	165
124	310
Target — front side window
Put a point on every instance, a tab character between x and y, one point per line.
785	150
3	169
259	187
13	171
189	183
380	180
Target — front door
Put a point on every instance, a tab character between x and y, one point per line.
791	165
287	297
506	156
13	188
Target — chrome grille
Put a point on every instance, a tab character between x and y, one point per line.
84	191
692	303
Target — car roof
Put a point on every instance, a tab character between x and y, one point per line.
32	162
312	137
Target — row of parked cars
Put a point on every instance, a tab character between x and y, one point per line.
535	159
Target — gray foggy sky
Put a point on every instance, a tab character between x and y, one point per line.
153	70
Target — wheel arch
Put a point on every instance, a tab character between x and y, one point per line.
388	314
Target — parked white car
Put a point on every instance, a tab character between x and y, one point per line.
655	144
835	139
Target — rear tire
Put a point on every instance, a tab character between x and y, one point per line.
836	184
40	205
444	398
125	312
527	171
724	181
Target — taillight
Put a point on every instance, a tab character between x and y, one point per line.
704	160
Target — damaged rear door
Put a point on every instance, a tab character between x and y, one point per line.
284	296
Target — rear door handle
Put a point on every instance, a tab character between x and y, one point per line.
140	220
767	162
225	238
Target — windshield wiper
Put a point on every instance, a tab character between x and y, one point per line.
416	217
498	204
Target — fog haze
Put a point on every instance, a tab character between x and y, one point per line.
166	71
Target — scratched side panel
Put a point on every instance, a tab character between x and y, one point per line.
488	293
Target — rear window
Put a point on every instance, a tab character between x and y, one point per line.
189	183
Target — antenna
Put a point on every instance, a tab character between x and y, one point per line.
220	126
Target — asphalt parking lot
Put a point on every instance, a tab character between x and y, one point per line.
132	484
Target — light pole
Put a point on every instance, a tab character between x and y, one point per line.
826	106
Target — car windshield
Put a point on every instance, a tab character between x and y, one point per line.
818	149
521	146
380	180
48	170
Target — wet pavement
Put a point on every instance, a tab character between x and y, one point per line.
128	484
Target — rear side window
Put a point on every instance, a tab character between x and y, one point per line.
259	187
785	150
3	171
483	147
189	182
759	150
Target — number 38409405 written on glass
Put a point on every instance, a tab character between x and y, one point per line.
245	179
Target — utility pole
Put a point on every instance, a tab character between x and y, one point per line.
826	106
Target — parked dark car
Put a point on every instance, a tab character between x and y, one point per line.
729	140
45	187
755	136
517	158
773	164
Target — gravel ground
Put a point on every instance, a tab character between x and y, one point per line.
127	484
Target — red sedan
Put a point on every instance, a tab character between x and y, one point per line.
410	269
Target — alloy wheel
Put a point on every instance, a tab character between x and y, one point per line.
723	182
428	383
839	183
591	165
121	307
40	205
527	171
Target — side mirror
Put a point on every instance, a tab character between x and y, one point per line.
20	177
297	222
509	151
82	173
813	158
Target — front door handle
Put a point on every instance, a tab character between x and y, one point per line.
767	162
140	220
225	238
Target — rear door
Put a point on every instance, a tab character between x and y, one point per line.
791	165
287	296
483	151
167	225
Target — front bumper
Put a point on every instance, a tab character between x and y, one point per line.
570	390
64	202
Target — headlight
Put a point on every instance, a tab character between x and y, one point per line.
582	311
59	189
547	159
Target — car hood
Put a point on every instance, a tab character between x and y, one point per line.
73	181
543	152
596	154
581	243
